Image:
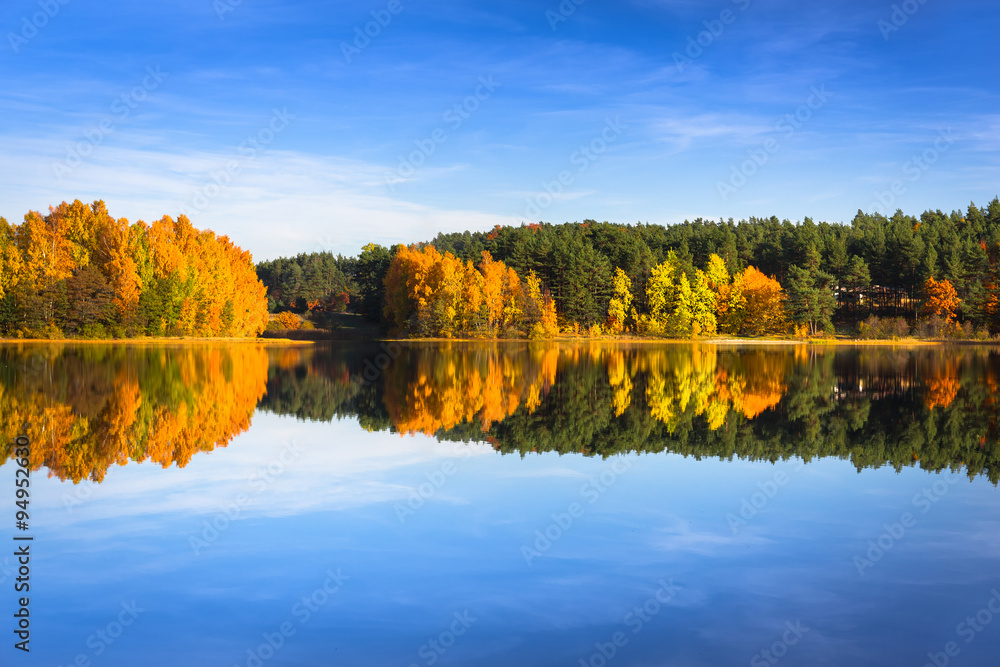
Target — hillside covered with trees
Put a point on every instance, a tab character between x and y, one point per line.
876	276
79	272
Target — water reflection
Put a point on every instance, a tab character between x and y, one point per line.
929	407
88	407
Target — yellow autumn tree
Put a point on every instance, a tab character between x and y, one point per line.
546	324
621	302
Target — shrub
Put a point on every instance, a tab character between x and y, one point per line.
93	330
900	328
893	328
646	325
288	320
869	328
933	327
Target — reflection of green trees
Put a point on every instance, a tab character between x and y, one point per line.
932	407
86	408
89	407
315	386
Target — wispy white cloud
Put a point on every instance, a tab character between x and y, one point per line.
280	203
283	466
684	131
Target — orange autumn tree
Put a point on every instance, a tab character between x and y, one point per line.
941	299
501	293
753	304
432	294
287	320
78	271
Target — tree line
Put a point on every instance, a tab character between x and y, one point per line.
753	277
77	271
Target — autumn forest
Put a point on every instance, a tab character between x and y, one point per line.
935	276
78	272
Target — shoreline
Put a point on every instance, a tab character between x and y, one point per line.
287	342
706	341
171	340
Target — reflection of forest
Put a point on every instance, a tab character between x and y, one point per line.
932	407
86	408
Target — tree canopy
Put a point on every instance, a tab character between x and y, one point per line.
78	271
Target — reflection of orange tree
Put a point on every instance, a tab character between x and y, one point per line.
757	384
440	389
477	383
150	404
943	382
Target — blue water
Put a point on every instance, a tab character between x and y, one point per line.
648	559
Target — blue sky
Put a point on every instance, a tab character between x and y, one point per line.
152	107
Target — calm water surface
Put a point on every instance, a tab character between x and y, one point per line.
505	505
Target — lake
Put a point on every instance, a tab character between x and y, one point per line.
504	504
